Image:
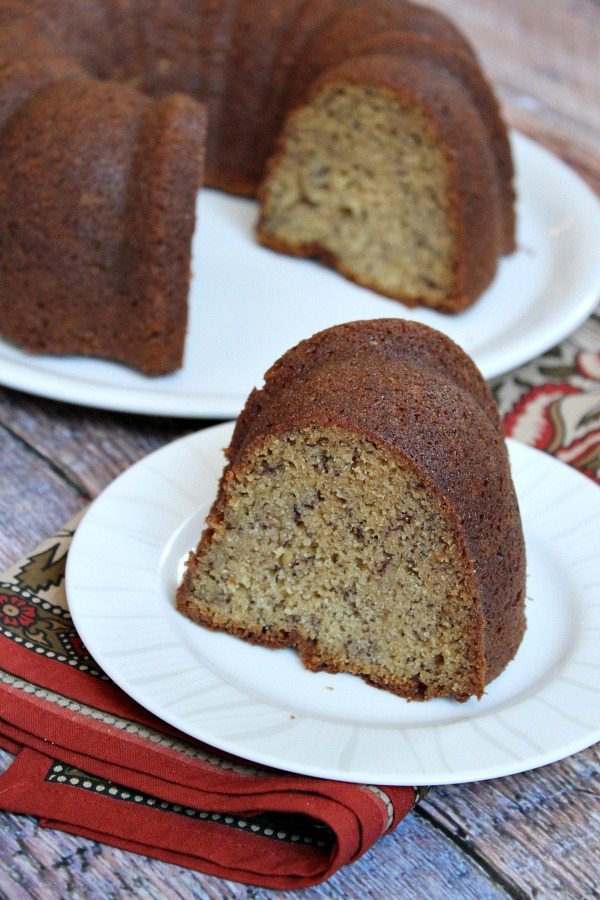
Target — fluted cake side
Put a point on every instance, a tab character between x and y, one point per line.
367	517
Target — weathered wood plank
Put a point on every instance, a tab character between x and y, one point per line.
90	447
543	59
485	821
534	828
416	861
524	836
47	441
34	499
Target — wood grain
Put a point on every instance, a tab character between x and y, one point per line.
532	835
417	859
34	499
89	447
509	837
519	825
543	60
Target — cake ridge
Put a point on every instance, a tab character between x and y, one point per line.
255	74
368	477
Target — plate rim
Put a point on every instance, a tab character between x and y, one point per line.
264	757
32	374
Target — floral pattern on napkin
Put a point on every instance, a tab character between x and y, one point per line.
553	403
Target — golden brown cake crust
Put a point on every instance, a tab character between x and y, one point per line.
476	209
99	264
250	70
410	390
462	66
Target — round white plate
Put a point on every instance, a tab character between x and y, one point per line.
248	305
262	705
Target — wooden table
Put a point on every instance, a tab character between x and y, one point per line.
531	835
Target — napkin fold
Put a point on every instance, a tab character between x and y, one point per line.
90	761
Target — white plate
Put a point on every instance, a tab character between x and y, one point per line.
262	705
248	305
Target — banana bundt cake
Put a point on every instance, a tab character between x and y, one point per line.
367	516
388	157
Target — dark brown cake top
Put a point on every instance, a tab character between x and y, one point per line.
412	390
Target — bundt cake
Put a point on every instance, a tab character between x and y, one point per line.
367	516
388	157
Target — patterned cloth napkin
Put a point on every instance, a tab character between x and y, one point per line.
553	402
90	761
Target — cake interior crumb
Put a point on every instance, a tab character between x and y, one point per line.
364	178
334	546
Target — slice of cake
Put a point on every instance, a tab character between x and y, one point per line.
386	151
389	177
367	516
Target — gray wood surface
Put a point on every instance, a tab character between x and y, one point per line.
529	835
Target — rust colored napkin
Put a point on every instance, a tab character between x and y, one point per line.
90	761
